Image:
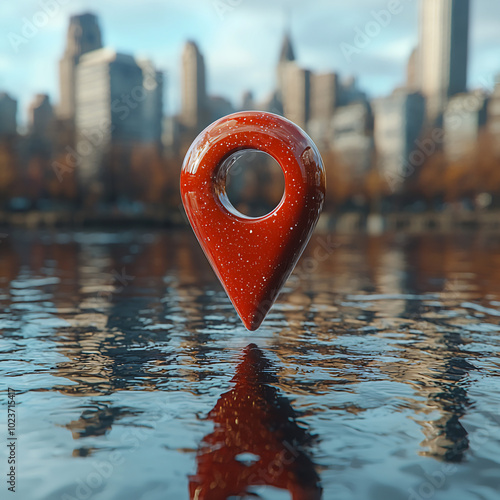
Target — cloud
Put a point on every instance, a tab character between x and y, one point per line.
241	46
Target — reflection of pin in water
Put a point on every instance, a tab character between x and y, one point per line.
256	440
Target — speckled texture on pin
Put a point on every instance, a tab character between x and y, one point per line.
252	257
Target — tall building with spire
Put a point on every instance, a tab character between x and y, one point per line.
84	35
412	82
293	85
442	52
194	111
287	56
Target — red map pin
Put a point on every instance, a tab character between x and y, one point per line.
252	256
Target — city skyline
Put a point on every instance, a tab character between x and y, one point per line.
234	68
110	127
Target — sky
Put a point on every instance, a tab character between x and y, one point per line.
240	40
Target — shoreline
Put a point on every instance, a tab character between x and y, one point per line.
348	222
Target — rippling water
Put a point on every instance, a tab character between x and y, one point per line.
375	376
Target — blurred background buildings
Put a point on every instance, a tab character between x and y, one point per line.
107	145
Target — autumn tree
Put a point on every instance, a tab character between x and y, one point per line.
8	164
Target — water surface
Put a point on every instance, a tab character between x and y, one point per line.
375	376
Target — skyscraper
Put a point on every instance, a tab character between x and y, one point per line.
351	137
40	114
398	122
152	106
324	99
194	112
109	108
84	35
463	119
494	117
287	56
8	112
412	81
296	94
324	96
293	85
218	107
443	52
247	101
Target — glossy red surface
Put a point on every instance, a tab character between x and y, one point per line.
252	257
256	440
